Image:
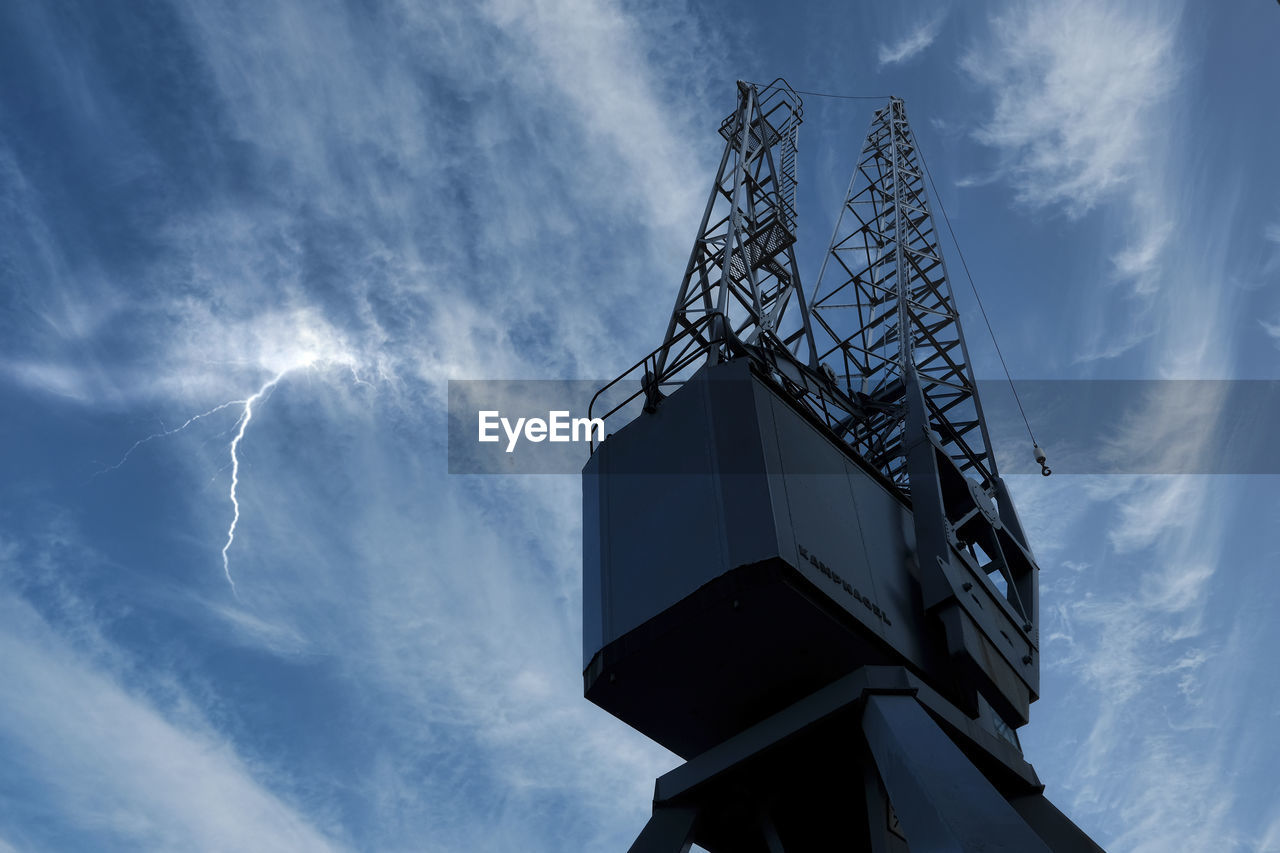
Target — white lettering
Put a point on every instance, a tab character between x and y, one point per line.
488	423
559	426
513	435
588	424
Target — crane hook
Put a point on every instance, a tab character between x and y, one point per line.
1040	460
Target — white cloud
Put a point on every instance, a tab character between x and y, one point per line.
1270	842
1083	104
914	43
427	208
60	380
295	86
1271	233
1078	87
589	54
1084	119
463	641
120	771
1140	262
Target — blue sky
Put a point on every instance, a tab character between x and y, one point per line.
360	201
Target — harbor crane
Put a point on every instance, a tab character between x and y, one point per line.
802	570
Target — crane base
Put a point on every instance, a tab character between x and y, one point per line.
875	759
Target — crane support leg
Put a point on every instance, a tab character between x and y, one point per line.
670	830
943	801
790	785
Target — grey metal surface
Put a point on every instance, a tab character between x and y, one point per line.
874	761
832	704
1053	826
728	473
640	574
669	830
942	800
731	474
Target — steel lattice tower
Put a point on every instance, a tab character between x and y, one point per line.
884	273
742	274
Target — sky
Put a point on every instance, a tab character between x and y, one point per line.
245	245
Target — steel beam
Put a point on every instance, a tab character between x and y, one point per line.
945	804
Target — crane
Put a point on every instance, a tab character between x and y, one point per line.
802	570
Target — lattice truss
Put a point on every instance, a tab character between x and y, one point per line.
842	356
884	273
742	273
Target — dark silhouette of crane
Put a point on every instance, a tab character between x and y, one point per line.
803	572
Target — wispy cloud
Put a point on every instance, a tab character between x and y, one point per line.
1271	234
434	193
1084	94
418	192
1128	637
1082	97
1078	86
914	43
123	773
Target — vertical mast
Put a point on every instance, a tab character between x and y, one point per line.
883	309
742	273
